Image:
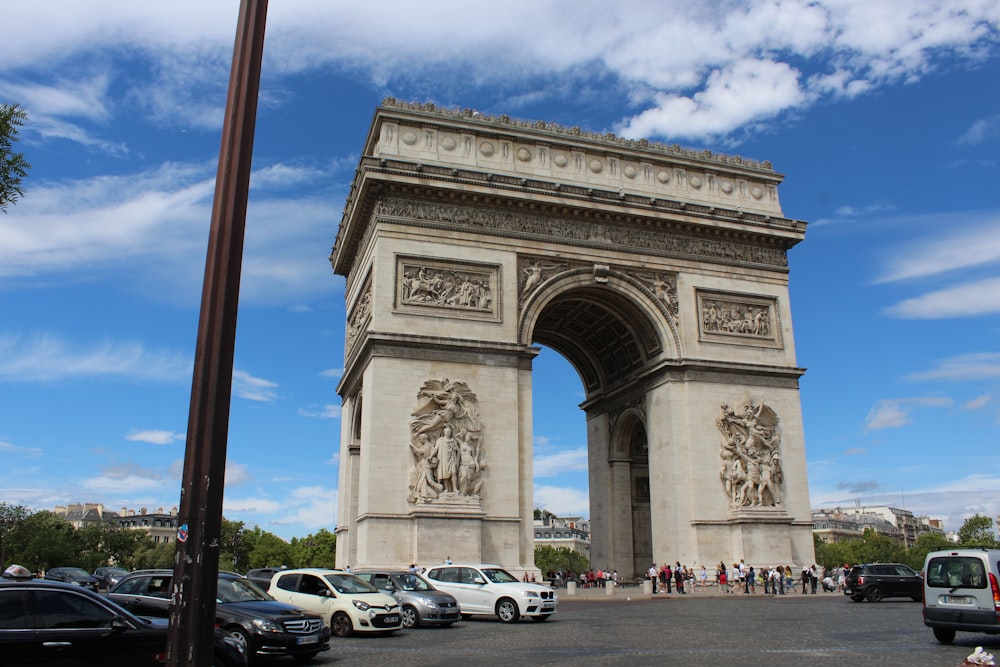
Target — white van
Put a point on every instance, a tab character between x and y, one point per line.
962	592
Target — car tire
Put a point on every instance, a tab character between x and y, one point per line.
541	619
874	594
305	657
243	637
341	625
857	598
507	610
410	617
944	635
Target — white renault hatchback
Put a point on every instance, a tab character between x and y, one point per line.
491	590
347	603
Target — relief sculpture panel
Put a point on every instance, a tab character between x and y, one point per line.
738	318
446	444
447	288
751	454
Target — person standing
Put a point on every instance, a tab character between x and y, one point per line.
679	577
651	575
751	581
813	578
805	579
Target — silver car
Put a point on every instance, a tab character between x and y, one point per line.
422	604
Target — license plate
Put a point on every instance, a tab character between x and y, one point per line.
389	620
956	599
308	639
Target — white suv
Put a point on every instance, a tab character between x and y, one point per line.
347	603
489	589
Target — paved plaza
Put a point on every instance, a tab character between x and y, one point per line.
631	628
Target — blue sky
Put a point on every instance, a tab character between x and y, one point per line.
884	116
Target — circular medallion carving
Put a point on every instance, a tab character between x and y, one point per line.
663	176
695	182
487	149
523	154
757	192
448	142
596	166
560	160
630	171
727	187
409	138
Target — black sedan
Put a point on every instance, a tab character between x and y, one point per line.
263	625
109	576
73	575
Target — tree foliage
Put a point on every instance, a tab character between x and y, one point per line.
977	531
13	166
551	559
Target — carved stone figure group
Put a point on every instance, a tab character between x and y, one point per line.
735	318
446	442
751	455
456	289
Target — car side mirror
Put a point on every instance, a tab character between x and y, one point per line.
479	581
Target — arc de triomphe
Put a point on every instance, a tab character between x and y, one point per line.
661	275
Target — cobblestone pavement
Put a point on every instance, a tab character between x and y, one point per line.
633	629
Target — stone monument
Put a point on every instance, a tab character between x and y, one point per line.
660	273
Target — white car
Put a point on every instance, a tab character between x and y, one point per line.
491	590
347	603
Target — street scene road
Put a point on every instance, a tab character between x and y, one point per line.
696	629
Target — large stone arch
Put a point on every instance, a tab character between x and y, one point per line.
659	273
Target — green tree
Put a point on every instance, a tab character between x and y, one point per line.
549	559
45	540
267	549
926	543
315	550
150	555
11	517
977	531
235	552
876	548
13	166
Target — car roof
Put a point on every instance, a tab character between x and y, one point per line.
314	570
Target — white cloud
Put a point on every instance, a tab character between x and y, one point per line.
254	388
981	297
955	241
551	465
45	358
983	130
154	437
8	449
964	367
894	413
980	401
329	411
563	501
334	373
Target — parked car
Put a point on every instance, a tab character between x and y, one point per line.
263	625
262	576
420	603
962	592
348	603
491	590
73	575
876	581
109	576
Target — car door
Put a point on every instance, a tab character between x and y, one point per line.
310	592
907	582
73	630
145	595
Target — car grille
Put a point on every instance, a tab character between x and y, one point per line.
547	595
304	626
379	621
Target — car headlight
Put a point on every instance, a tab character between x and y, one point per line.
430	604
76	583
361	604
531	594
266	625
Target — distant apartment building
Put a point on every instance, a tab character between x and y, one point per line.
159	525
570	532
848	523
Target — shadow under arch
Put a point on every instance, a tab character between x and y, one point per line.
609	331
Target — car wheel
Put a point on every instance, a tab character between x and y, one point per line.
240	635
944	635
857	598
507	610
541	619
305	657
874	594
410	618
340	625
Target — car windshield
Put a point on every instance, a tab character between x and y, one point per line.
413	582
348	583
498	576
74	572
119	571
240	590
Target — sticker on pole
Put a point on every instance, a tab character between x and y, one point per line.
182	533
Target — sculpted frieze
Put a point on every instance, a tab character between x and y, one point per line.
664	286
459	288
446	444
743	318
577	231
532	272
750	469
360	315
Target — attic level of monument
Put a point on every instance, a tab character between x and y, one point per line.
516	167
